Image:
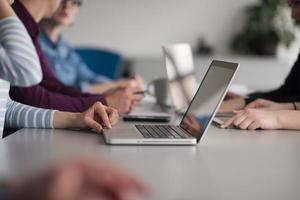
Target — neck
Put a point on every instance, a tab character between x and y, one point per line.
37	9
52	30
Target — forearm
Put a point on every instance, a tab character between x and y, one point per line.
101	88
5	10
39	96
289	119
278	95
288	106
64	120
24	116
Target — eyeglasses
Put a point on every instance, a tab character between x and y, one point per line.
73	2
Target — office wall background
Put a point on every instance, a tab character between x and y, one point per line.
138	28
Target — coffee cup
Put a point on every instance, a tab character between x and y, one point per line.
160	90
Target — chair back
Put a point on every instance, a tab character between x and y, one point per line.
102	62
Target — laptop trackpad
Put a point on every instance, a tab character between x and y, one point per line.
122	130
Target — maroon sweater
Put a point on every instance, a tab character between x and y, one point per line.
50	93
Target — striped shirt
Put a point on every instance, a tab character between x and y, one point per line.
19	65
4	88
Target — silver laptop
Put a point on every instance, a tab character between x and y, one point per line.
194	123
181	74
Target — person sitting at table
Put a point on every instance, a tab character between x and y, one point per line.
67	65
74	179
288	92
261	112
51	93
20	66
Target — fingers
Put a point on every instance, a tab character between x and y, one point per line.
244	125
239	119
231	120
258	104
254	126
228	123
231	95
91	123
101	111
245	120
136	96
253	104
113	115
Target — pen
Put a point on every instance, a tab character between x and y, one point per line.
140	93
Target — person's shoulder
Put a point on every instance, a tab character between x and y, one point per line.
11	21
64	41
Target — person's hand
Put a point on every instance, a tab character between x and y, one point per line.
269	105
253	119
232	95
123	99
97	117
139	81
136	82
232	105
80	179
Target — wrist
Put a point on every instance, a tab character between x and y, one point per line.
243	102
288	106
66	120
281	119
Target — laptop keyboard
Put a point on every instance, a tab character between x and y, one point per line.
162	131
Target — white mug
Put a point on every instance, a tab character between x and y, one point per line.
160	89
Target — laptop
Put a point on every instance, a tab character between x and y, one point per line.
181	75
194	123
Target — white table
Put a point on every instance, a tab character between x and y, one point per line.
227	164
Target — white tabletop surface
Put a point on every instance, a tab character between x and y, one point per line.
227	164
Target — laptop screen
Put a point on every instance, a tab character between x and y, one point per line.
209	95
181	75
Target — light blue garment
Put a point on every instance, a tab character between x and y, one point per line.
67	64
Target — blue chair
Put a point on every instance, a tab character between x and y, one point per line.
102	62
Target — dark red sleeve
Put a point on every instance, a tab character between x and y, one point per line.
52	94
40	97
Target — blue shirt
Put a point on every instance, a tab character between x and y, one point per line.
67	64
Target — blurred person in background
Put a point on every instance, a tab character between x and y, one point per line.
65	61
277	109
